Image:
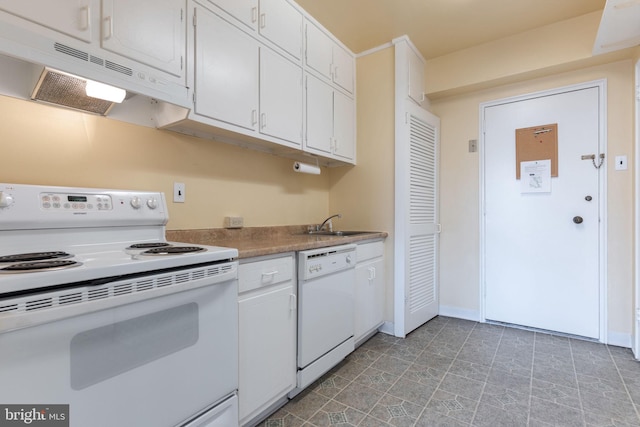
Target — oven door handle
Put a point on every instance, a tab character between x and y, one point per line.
22	318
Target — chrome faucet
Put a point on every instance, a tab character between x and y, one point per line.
321	226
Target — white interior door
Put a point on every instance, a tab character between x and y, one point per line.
542	268
416	232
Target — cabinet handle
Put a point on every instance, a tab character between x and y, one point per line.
254	14
254	117
293	302
335	72
86	13
263	21
108	28
269	276
335	145
263	120
372	273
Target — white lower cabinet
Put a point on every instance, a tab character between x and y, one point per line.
369	289
267	328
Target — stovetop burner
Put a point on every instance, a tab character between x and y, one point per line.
173	250
29	267
148	245
35	256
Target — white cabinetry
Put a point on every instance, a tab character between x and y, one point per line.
226	72
267	333
242	83
330	60
416	77
156	37
278	21
72	18
369	289
330	121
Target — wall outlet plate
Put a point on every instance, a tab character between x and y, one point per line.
233	222
178	192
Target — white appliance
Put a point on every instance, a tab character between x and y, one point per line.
326	286
99	312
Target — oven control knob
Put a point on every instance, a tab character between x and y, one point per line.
6	200
152	203
136	203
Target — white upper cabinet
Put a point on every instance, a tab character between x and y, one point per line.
416	77
330	121
278	21
245	11
281	23
343	127
72	18
319	139
226	72
156	37
329	59
280	97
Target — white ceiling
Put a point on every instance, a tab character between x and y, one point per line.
438	27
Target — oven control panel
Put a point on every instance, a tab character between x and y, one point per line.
75	202
33	206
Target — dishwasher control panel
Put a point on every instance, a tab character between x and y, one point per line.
324	261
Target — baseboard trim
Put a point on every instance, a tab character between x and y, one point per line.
619	339
459	313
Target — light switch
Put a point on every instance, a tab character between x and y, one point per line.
621	163
178	192
473	145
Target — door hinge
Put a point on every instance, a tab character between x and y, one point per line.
194	98
181	15
195	18
638	93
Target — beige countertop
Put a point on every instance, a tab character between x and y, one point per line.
259	241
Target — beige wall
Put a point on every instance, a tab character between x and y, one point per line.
45	145
364	194
459	265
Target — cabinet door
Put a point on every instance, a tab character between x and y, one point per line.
226	71
280	97
267	349
318	50
343	126
343	64
245	11
369	296
281	23
70	17
151	32
416	77
319	116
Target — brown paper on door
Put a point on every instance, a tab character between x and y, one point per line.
537	143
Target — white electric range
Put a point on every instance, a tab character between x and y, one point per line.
99	312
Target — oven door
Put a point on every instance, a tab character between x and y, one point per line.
153	362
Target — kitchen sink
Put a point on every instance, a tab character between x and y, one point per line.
338	233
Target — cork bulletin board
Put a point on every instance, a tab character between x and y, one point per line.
537	143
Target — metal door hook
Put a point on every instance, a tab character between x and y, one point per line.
592	157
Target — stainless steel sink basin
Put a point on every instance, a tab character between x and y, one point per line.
338	233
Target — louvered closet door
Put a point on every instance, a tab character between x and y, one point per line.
417	218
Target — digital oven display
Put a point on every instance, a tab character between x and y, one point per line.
77	198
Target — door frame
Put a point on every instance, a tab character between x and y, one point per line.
635	327
601	85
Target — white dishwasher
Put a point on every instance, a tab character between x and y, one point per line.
326	283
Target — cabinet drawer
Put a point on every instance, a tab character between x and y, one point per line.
266	272
371	250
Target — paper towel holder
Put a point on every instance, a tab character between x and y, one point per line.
307	168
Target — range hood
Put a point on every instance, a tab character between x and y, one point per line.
66	90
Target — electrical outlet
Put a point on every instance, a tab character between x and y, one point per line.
233	222
178	192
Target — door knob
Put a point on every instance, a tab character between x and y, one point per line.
577	219
588	198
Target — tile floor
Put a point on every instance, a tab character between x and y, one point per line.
452	372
